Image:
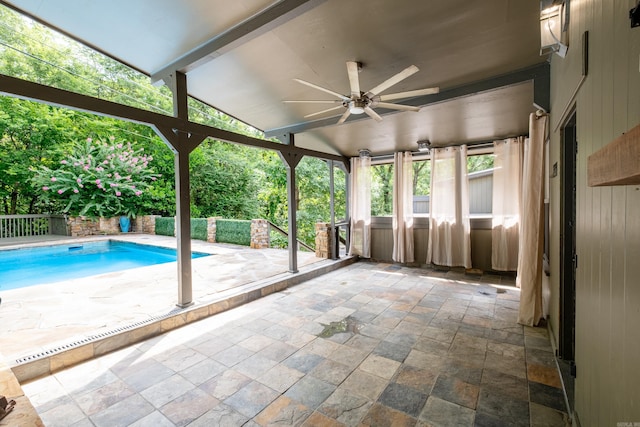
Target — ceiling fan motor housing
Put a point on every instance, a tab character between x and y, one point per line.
357	106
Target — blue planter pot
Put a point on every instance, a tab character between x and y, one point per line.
125	223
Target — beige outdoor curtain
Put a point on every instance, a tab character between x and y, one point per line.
449	229
529	278
507	192
360	207
403	207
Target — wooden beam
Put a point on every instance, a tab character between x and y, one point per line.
23	89
617	163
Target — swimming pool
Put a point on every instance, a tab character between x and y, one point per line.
47	264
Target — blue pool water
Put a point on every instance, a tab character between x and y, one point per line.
48	264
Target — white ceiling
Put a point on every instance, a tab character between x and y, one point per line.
455	43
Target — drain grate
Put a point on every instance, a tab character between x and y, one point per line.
93	338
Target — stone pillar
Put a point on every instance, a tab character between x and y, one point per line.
211	229
324	245
146	224
82	226
259	234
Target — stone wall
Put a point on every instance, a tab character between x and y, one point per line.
109	225
82	226
324	246
260	234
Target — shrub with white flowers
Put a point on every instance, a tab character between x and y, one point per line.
99	179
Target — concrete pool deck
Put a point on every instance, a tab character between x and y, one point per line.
46	319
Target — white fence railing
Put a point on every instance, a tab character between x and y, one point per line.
32	225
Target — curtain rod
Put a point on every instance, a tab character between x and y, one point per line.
470	146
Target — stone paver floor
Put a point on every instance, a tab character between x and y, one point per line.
420	348
37	318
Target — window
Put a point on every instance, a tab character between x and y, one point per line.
479	168
382	190
421	187
480	172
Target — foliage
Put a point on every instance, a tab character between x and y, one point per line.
382	190
98	179
165	226
422	177
233	231
277	240
312	196
479	162
27	134
223	183
199	228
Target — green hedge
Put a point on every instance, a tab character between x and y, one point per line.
165	226
199	228
233	231
227	230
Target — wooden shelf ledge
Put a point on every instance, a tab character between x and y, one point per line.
617	163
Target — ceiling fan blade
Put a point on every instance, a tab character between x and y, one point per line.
393	80
409	94
372	114
323	111
354	80
329	91
397	106
344	116
316	101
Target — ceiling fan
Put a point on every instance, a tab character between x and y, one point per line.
364	102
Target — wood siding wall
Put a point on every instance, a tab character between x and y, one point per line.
608	218
481	194
382	241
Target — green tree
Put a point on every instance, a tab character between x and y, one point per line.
382	190
422	177
30	134
479	162
222	182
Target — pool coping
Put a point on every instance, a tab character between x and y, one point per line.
50	361
93	240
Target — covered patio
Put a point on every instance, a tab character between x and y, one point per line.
423	346
466	82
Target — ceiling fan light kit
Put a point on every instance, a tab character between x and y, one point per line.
359	102
356	106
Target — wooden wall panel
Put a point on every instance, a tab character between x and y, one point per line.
627	265
608	221
421	243
382	243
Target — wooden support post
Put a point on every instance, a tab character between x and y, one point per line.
182	144
291	160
